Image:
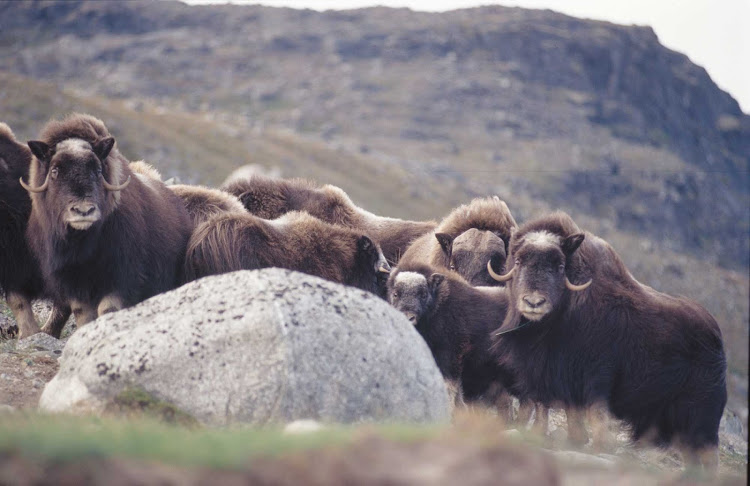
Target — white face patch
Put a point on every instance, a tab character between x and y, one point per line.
410	280
542	239
76	146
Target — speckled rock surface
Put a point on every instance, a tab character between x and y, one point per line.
256	347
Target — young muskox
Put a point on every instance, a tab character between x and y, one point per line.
104	239
456	321
20	278
296	241
585	332
466	239
270	198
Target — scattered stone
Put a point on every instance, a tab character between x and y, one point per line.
512	434
40	342
257	347
302	427
582	459
6	409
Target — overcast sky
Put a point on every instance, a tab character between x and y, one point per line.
713	33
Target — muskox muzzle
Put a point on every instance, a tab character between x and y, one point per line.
81	215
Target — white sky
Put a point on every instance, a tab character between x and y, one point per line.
713	33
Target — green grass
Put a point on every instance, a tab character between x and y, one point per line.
66	438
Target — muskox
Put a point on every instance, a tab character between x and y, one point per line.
202	203
296	241
581	331
270	198
466	239
456	321
20	277
104	239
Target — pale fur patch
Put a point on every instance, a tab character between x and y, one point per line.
410	280
542	239
77	146
146	169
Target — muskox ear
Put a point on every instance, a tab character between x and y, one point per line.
365	245
571	243
41	150
103	147
434	281
446	243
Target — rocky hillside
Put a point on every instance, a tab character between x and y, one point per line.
413	113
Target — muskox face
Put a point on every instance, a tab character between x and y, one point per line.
14	163
537	281
414	294
75	187
376	268
469	253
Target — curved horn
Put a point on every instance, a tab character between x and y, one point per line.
577	288
500	278
110	187
41	188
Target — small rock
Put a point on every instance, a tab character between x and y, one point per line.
582	459
6	409
512	434
40	342
303	427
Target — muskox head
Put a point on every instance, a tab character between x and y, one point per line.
374	266
75	183
414	294
469	253
538	281
15	159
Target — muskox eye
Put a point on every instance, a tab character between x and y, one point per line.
518	261
561	267
53	173
453	266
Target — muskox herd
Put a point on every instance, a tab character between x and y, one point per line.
544	312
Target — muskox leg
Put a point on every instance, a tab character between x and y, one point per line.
577	433
541	419
704	457
56	320
455	393
21	306
504	406
599	419
110	303
525	411
83	311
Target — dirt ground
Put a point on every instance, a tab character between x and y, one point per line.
23	376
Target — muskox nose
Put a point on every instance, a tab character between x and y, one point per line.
534	301
83	209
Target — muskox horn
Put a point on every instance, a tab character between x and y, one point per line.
577	288
110	187
41	188
500	278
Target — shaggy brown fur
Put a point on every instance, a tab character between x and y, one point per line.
296	241
656	361
270	198
488	214
100	249
20	277
202	202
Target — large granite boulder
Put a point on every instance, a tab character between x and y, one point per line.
257	347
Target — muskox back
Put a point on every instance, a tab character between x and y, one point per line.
202	203
105	238
582	331
296	241
270	198
465	240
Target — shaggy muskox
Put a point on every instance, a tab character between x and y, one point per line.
456	321
203	202
582	331
466	239
20	278
296	241
104	239
270	198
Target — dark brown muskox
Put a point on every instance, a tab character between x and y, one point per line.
456	321
104	238
295	241
466	239
270	198
584	332
20	278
